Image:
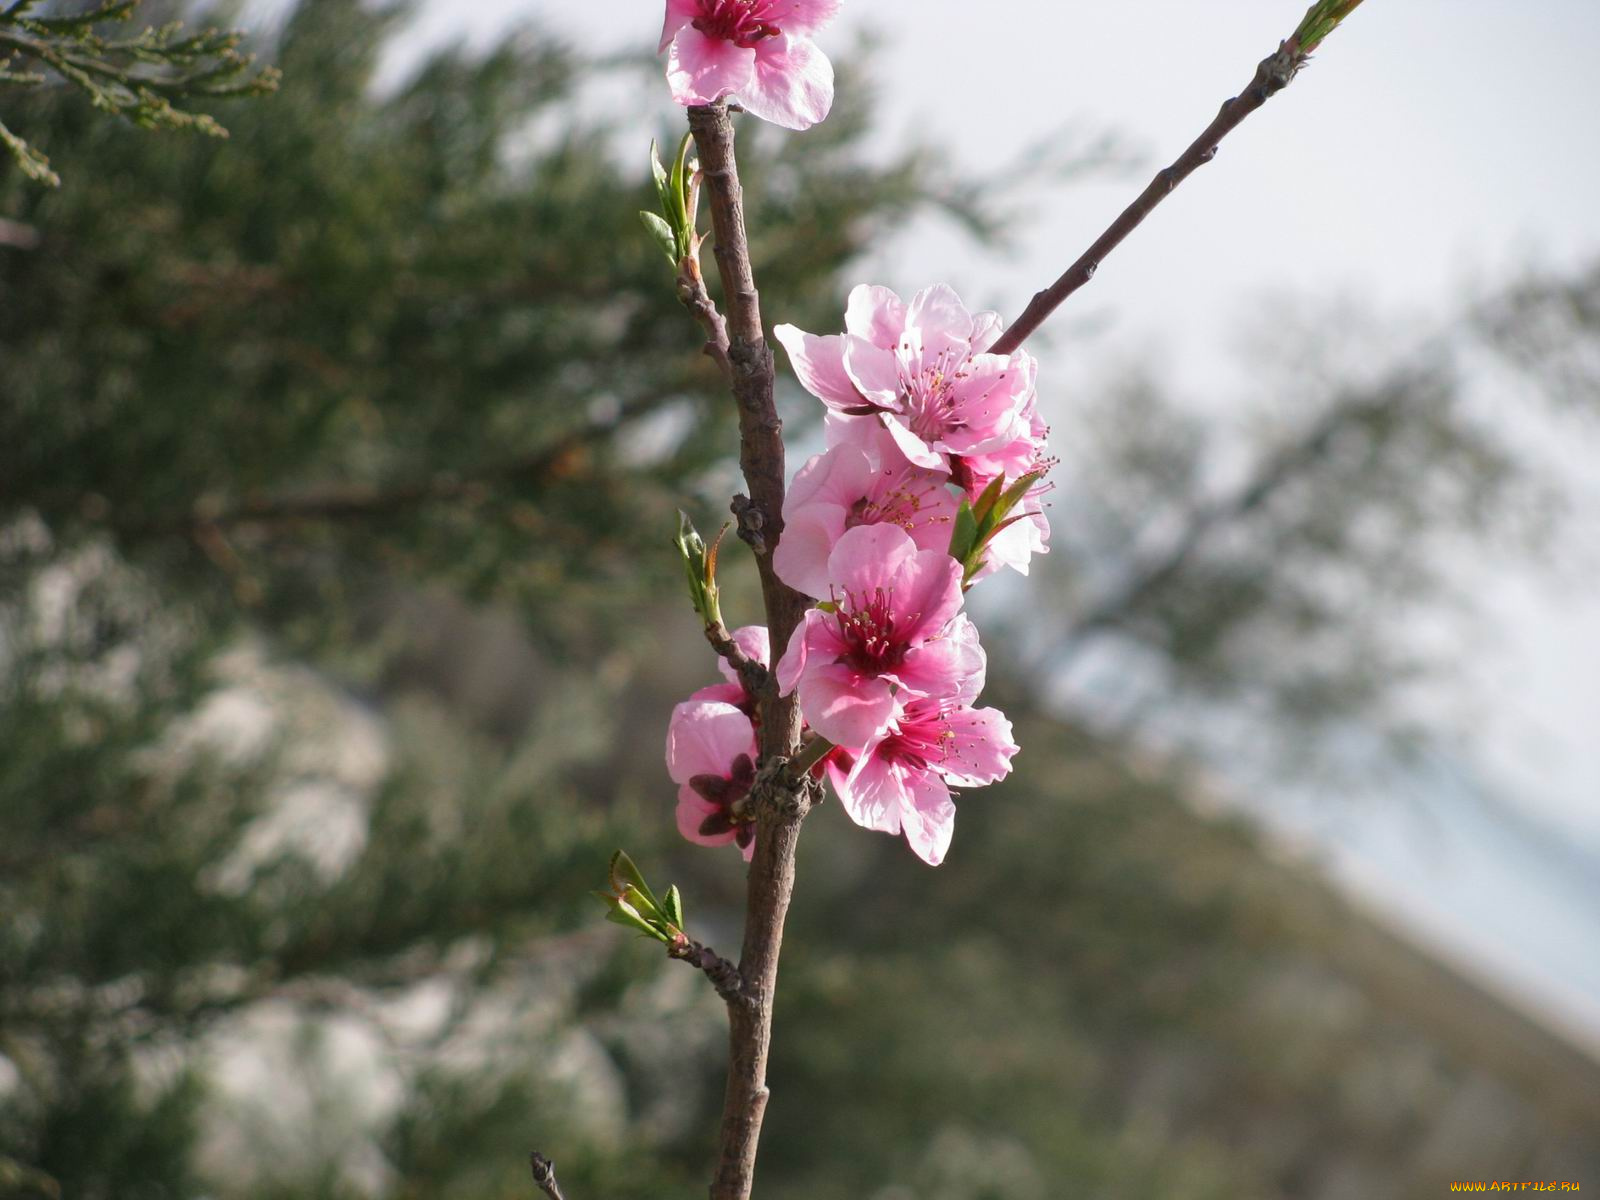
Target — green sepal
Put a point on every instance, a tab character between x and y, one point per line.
986	499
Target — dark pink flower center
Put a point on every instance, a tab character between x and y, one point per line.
867	626
728	793
923	739
900	506
742	22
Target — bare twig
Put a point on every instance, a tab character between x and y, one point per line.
782	798
723	974
692	293
544	1176
1273	74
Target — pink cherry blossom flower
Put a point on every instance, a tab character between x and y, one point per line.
843	489
923	370
758	50
1016	544
894	631
901	780
711	756
755	643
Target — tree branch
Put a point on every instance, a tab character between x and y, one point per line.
782	799
1273	74
723	974
544	1176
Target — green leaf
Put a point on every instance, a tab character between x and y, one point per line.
625	876
659	173
986	500
1013	494
964	537
680	194
661	233
674	906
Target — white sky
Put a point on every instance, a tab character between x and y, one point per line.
1433	146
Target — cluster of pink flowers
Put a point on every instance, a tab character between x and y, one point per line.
922	419
887	666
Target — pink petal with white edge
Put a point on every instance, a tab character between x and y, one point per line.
981	750
679	14
986	330
702	70
792	84
876	314
944	322
818	364
844	707
703	738
804	17
795	656
930	821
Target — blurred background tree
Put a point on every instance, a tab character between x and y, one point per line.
339	627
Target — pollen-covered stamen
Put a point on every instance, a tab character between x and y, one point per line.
928	399
903	507
923	739
867	626
742	22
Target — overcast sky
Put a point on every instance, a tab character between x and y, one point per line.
1432	147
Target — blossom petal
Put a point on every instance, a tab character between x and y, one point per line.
755	643
818	364
927	591
875	314
874	792
986	330
843	706
874	371
949	667
809	535
981	749
944	322
704	737
871	556
793	663
702	70
930	819
792	84
693	809
679	14
910	445
804	17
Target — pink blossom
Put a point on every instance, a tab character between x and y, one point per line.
901	779
843	489
1016	544
894	631
711	756
922	370
755	643
759	50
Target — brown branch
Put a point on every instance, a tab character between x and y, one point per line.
693	295
544	1176
723	974
782	798
751	674
1273	74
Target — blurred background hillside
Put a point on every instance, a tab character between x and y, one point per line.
339	626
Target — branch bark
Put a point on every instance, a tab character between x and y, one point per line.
782	798
1273	74
544	1176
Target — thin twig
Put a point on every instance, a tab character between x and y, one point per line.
723	974
544	1176
1273	74
751	674
782	798
692	293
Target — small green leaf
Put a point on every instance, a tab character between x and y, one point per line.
625	876
964	536
661	233
986	500
659	174
680	192
674	906
1013	494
